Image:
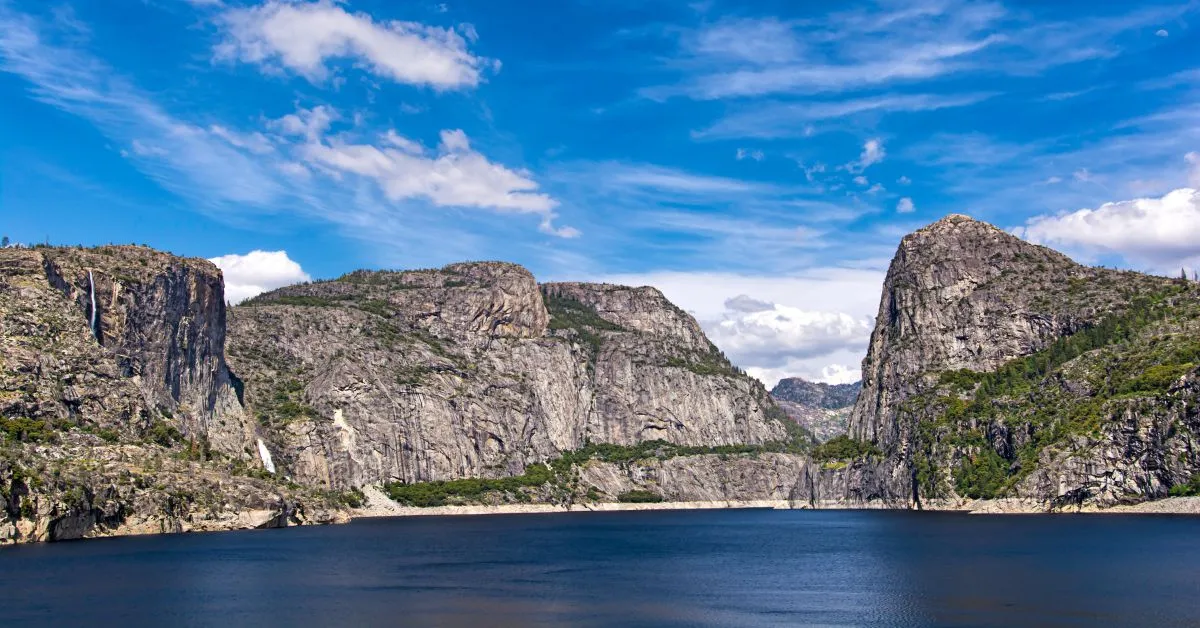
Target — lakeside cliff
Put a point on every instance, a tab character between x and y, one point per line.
1003	370
122	412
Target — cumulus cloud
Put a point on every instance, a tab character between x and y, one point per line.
1162	234
305	37
775	335
257	272
906	206
816	325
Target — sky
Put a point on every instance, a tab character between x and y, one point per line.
757	161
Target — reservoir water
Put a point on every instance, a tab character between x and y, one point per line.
680	568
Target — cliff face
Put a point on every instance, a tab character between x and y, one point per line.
474	371
115	400
1002	369
823	409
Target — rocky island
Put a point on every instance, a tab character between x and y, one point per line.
1000	376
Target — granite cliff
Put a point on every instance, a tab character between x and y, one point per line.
118	412
1001	369
122	413
823	409
476	371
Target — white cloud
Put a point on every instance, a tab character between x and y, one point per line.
906	206
783	120
257	272
872	153
1162	234
305	36
456	176
888	43
309	124
743	153
876	189
904	181
256	143
1162	32
775	326
1083	174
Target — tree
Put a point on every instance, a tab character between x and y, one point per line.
4	242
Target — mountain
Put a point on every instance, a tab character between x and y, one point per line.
132	400
823	409
1000	369
474	371
118	414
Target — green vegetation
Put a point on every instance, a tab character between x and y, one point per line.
639	496
163	433
981	476
377	307
1190	489
26	430
297	299
284	402
844	448
711	363
962	379
558	474
1070	388
568	313
441	493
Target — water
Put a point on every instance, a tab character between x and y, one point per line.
733	568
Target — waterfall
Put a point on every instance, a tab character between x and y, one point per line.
92	293
265	454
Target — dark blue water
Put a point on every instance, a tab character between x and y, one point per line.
732	568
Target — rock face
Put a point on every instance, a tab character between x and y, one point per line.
823	409
474	370
115	400
998	368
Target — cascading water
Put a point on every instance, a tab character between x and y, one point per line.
92	293
265	455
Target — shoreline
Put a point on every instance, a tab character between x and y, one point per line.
379	505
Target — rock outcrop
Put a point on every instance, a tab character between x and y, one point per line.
823	409
117	411
474	370
998	368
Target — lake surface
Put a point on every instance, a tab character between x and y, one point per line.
732	568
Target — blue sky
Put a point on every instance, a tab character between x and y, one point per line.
774	151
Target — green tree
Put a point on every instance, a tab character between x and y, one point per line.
4	242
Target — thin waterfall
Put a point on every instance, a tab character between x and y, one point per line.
265	455
92	293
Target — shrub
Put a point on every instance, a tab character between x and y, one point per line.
845	448
639	496
1190	489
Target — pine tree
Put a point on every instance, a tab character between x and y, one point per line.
4	242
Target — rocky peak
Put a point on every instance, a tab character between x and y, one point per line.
643	309
482	299
962	294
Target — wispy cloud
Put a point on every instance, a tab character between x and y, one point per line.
868	48
789	119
